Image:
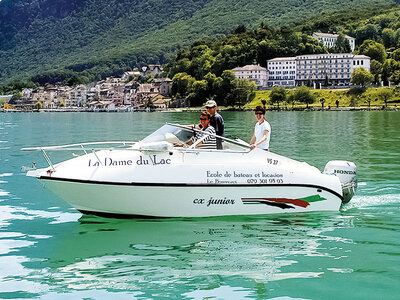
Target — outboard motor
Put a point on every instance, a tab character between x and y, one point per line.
347	173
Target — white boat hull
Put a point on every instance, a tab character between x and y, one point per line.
180	200
155	178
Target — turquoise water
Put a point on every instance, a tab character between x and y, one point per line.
50	251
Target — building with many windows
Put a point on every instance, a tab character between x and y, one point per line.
330	39
254	73
318	69
282	71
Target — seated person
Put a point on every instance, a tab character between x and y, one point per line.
207	141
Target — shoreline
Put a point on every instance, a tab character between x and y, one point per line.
197	109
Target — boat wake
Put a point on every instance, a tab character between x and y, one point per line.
367	201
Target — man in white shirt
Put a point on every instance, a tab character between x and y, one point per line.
262	131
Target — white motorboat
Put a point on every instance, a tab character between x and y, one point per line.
158	177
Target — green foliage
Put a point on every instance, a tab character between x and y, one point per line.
303	94
374	50
362	77
198	92
388	68
342	45
100	38
389	37
376	70
181	83
385	94
278	95
38	105
243	92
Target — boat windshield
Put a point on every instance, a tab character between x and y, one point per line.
176	134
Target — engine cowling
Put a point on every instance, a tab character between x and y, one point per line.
347	173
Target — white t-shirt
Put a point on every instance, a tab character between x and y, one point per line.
258	132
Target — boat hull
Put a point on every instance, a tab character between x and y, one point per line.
191	200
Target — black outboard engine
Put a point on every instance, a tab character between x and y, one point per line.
347	173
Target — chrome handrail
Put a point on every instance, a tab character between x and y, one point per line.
79	146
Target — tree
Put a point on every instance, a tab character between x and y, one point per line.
243	92
326	81
322	100
395	78
385	94
277	95
224	86
303	94
240	29
368	32
388	68
291	99
374	50
362	77
38	105
15	97
263	102
342	44
388	37
198	92
376	70
181	84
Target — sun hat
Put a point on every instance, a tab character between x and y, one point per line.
211	103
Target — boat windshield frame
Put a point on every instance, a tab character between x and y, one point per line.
159	136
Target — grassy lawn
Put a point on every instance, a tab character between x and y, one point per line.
346	97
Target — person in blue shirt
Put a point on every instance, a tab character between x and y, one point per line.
216	121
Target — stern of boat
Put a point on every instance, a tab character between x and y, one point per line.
346	171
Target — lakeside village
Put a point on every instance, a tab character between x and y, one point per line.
127	94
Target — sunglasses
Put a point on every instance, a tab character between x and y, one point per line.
259	113
203	119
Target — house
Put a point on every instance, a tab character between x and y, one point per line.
130	74
163	85
77	96
6	98
161	102
330	39
62	97
254	73
152	69
143	94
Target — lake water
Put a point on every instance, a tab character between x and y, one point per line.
48	250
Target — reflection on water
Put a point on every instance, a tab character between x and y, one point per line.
181	254
242	256
50	251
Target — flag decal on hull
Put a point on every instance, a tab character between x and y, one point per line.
284	203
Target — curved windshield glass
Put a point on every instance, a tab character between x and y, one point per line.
170	133
179	134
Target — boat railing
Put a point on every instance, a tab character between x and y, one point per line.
85	147
81	146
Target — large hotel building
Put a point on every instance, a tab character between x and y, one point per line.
315	69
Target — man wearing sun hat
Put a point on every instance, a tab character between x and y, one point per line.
216	120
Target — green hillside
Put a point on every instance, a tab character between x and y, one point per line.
104	37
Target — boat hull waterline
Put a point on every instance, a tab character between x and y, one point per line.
156	200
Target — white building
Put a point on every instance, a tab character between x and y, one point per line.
330	39
282	71
77	96
336	68
254	73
